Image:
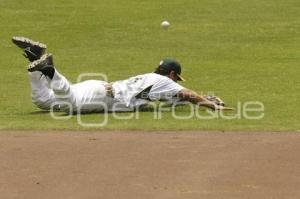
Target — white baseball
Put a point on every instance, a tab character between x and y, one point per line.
165	24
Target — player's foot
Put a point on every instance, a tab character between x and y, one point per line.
45	61
32	50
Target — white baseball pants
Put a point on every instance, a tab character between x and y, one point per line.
86	96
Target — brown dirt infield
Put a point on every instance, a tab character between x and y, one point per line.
142	165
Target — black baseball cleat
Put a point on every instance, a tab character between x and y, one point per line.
45	61
32	50
44	65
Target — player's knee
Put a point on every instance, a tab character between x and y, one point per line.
43	103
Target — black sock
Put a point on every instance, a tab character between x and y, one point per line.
48	71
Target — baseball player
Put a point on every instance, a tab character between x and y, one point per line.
51	90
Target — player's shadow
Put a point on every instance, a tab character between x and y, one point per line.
140	109
56	113
41	112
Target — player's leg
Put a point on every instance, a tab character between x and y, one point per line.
88	96
61	87
42	96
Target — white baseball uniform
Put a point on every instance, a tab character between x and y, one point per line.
92	96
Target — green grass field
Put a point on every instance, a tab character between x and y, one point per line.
240	50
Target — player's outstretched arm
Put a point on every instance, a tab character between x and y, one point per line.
195	98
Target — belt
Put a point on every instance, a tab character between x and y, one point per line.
109	90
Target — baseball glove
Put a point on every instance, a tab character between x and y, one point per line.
214	99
